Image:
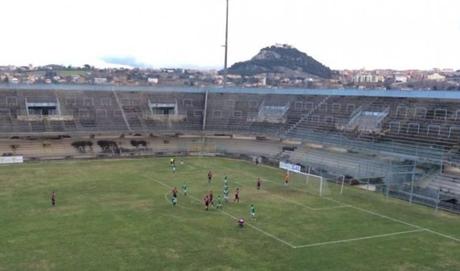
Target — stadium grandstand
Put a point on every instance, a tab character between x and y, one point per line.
405	144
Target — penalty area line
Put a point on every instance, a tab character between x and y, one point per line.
384	216
358	239
406	223
262	231
308	207
341	205
232	216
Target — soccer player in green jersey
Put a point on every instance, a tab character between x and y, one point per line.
252	211
225	180
184	189
219	202
174	201
226	192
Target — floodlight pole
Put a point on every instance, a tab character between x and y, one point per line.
226	38
226	44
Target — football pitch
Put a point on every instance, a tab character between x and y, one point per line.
117	215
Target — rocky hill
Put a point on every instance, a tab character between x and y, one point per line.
282	59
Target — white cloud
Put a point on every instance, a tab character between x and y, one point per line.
341	34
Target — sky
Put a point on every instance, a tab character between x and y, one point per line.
342	34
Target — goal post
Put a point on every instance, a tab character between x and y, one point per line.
305	181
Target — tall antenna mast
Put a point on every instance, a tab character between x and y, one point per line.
226	38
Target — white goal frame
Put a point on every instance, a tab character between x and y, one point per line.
290	168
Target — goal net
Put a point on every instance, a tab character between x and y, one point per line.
304	181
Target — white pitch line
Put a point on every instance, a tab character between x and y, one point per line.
308	207
312	208
230	215
162	183
342	205
331	208
384	216
406	223
418	228
262	231
358	239
442	234
288	200
297	203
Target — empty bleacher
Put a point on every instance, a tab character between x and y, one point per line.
415	126
446	184
342	163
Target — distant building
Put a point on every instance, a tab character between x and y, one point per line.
262	80
31	79
436	77
448	70
7	68
286	46
368	78
100	80
153	81
75	78
400	79
233	76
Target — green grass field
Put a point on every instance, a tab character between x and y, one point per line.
116	215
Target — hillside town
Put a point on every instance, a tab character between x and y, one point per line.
446	79
277	66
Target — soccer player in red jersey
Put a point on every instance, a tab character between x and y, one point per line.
174	192
206	202
237	195
211	198
53	199
258	183
209	177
